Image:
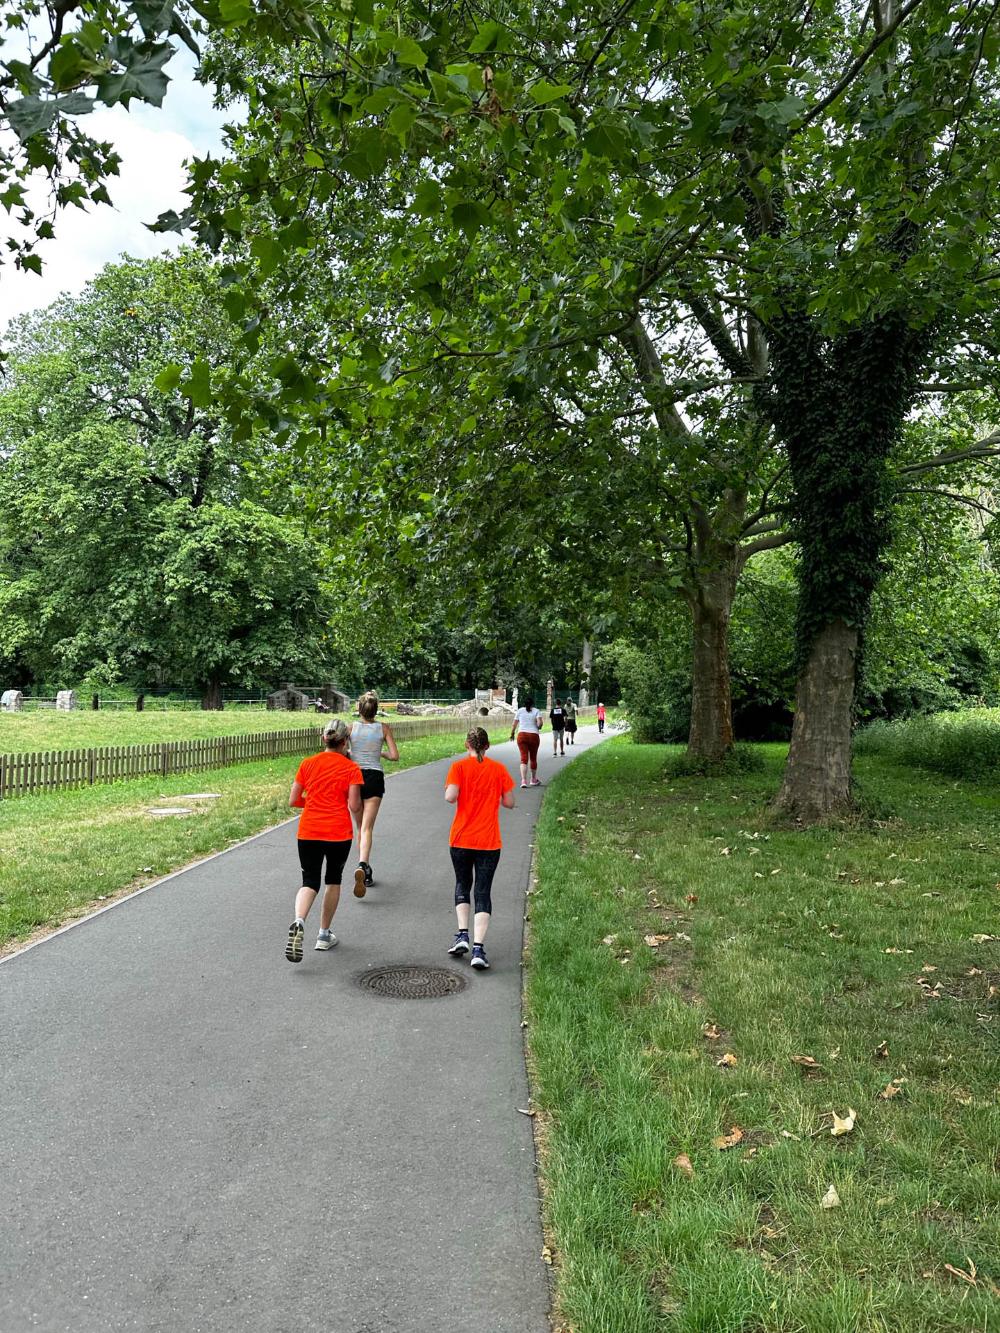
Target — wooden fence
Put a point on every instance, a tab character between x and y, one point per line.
56	770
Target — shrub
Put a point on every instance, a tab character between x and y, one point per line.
960	745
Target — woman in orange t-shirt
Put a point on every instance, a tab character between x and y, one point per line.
478	787
327	789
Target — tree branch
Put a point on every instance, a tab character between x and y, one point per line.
768	543
645	358
857	65
951	495
988	447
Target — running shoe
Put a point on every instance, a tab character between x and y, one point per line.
369	877
461	946
535	782
293	949
524	784
479	959
326	939
360	882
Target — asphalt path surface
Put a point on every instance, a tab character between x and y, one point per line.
196	1135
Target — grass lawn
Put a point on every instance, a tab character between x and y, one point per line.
687	960
63	853
45	729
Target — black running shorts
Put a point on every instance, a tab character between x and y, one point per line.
372	783
313	852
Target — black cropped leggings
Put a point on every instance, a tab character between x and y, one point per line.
474	871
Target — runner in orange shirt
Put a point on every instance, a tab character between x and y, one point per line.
478	787
327	789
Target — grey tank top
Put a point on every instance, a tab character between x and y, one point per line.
366	744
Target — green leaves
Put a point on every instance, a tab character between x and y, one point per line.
408	52
544	92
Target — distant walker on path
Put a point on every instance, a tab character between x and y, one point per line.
327	789
368	741
477	786
569	708
527	727
601	715
557	720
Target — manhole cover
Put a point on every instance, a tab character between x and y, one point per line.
409	982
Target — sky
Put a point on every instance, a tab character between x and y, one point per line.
153	143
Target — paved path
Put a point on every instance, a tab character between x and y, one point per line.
197	1136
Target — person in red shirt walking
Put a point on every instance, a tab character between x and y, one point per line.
327	789
477	786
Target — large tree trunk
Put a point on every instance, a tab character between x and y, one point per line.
817	782
711	735
211	699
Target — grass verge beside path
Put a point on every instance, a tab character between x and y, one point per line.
685	958
65	853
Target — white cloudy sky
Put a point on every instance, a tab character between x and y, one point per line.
153	143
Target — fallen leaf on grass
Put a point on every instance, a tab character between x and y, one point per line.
984	939
834	1054
881	1051
747	1153
776	872
787	1134
928	967
728	1061
725	851
969	1277
655	940
892	1089
843	1124
546	1254
691	898
807	1064
899	950
681	936
683	1163
711	1031
526	1110
729	1140
609	939
974	972
831	1199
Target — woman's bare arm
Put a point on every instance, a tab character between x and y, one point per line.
389	741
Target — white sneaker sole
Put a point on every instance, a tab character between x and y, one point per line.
331	943
360	887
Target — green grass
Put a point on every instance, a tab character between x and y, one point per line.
64	853
800	943
962	745
45	729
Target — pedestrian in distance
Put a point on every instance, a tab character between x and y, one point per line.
557	720
371	743
569	708
327	789
527	728
477	787
600	717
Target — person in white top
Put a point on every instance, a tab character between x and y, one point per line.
527	727
371	743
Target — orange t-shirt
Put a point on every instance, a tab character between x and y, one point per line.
477	816
325	779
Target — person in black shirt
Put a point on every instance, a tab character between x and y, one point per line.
557	718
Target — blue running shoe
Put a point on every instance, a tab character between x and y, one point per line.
479	959
461	946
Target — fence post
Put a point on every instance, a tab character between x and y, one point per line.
164	758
